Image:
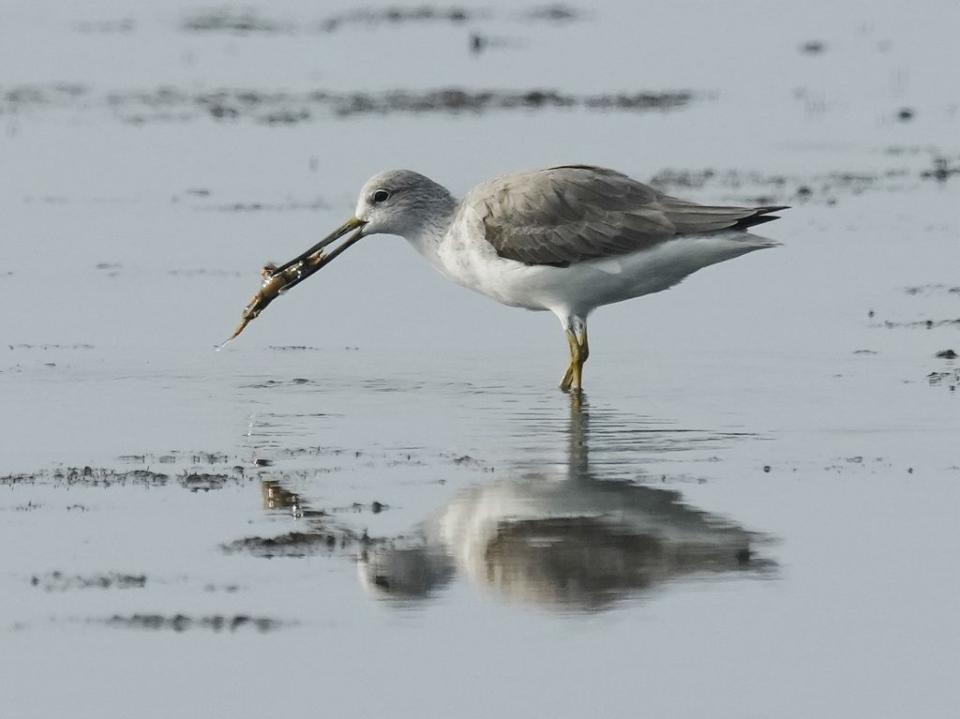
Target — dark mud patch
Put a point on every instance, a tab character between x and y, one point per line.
395	16
454	100
905	114
88	476
209	457
294	544
173	104
179	456
277	383
949	379
61	582
246	21
933	289
919	324
182	622
375	507
469	462
398	15
238	21
813	47
28	506
823	188
943	169
203	482
319	535
140	477
24	97
479	43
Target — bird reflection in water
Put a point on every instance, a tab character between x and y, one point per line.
574	539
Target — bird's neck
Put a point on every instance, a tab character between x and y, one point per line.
427	236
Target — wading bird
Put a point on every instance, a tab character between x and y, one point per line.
566	239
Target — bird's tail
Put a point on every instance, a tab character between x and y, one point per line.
760	215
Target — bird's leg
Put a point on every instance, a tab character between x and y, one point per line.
576	329
583	352
574	351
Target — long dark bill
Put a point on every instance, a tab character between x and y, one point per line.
352	224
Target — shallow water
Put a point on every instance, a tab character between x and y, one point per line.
375	501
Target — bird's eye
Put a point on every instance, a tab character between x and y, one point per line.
380	195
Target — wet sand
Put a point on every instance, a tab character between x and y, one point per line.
375	501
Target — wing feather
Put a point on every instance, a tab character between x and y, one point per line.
572	213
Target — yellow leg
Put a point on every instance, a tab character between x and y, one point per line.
579	352
574	351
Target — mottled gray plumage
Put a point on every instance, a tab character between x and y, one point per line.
567	214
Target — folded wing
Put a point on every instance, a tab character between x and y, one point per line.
568	214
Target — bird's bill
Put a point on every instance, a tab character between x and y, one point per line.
352	224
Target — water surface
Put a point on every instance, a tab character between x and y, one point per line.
375	501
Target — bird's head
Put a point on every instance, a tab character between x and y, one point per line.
400	202
396	202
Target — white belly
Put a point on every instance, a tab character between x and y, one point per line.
468	259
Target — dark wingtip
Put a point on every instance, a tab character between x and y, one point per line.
761	215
